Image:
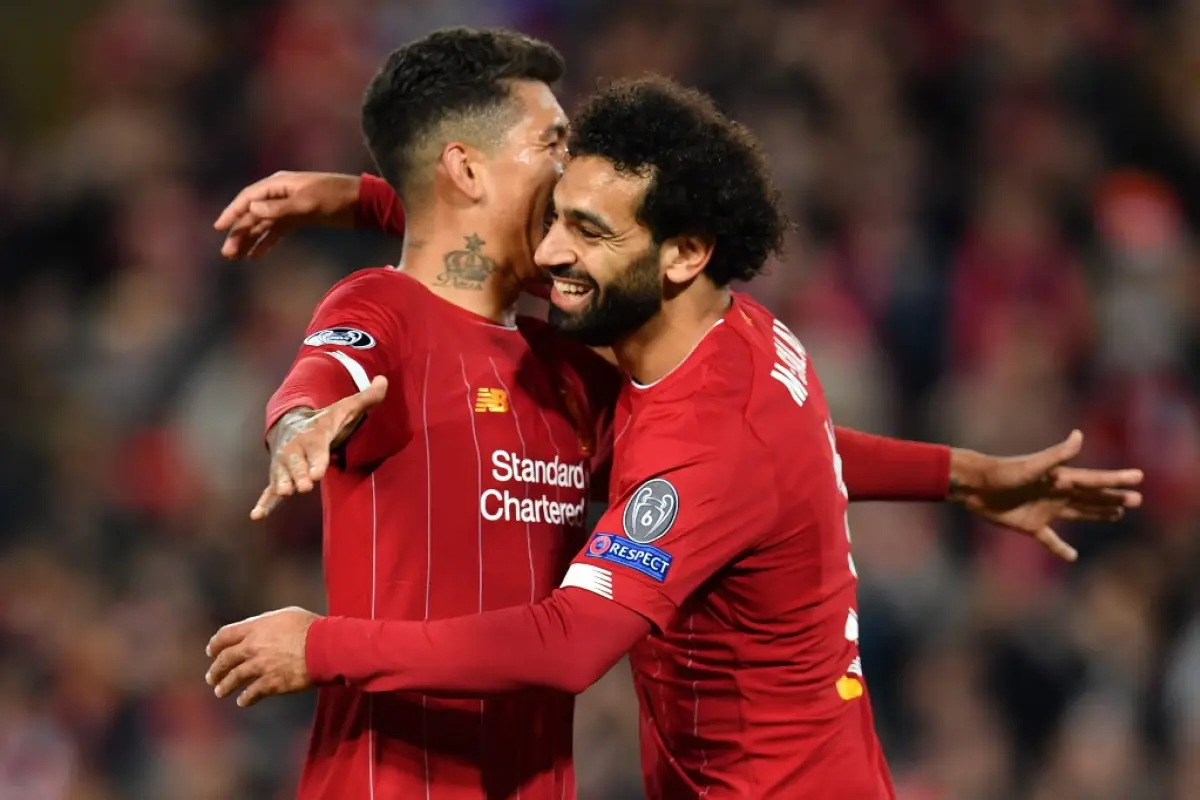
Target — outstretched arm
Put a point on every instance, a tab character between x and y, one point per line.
338	376
880	468
1026	493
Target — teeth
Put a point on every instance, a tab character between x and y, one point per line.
570	288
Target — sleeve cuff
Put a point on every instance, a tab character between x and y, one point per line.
315	381
378	207
316	649
940	467
880	468
330	641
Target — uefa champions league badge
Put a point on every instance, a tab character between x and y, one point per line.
341	337
651	511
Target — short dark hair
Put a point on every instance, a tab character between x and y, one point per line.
452	75
709	176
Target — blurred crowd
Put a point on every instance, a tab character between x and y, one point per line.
996	206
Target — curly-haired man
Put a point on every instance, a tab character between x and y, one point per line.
723	563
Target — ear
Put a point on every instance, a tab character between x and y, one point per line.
685	257
462	165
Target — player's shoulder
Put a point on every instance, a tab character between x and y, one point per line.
369	286
368	307
717	387
711	406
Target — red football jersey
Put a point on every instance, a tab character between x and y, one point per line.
465	490
727	529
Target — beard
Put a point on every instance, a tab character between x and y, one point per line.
615	310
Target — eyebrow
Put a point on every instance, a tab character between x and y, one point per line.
579	215
555	130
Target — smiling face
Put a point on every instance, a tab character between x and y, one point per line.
605	265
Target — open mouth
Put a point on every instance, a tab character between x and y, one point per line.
570	295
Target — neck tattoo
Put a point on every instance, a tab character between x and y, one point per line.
468	268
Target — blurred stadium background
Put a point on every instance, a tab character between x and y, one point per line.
998	202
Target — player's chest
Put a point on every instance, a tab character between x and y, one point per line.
500	406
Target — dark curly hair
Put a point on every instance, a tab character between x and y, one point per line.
709	176
453	77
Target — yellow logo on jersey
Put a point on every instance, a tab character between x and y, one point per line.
849	688
494	400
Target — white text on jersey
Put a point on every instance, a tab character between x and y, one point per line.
568	507
792	367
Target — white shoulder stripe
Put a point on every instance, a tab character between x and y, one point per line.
353	367
585	576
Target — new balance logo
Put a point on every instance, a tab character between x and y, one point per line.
494	400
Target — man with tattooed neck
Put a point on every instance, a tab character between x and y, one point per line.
456	480
465	484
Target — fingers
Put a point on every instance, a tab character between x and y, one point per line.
1074	477
262	687
295	459
318	463
290	467
265	242
267	501
1077	513
1051	541
271	209
252	238
229	663
225	638
298	465
1102	497
244	673
280	478
1119	498
273	187
1046	460
242	235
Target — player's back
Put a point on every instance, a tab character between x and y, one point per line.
465	491
753	686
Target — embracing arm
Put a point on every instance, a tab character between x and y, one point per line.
567	642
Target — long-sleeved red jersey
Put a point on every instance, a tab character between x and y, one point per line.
474	452
723	562
465	491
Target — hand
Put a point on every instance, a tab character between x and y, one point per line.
301	444
264	654
264	212
1028	493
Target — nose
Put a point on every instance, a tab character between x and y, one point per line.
555	249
